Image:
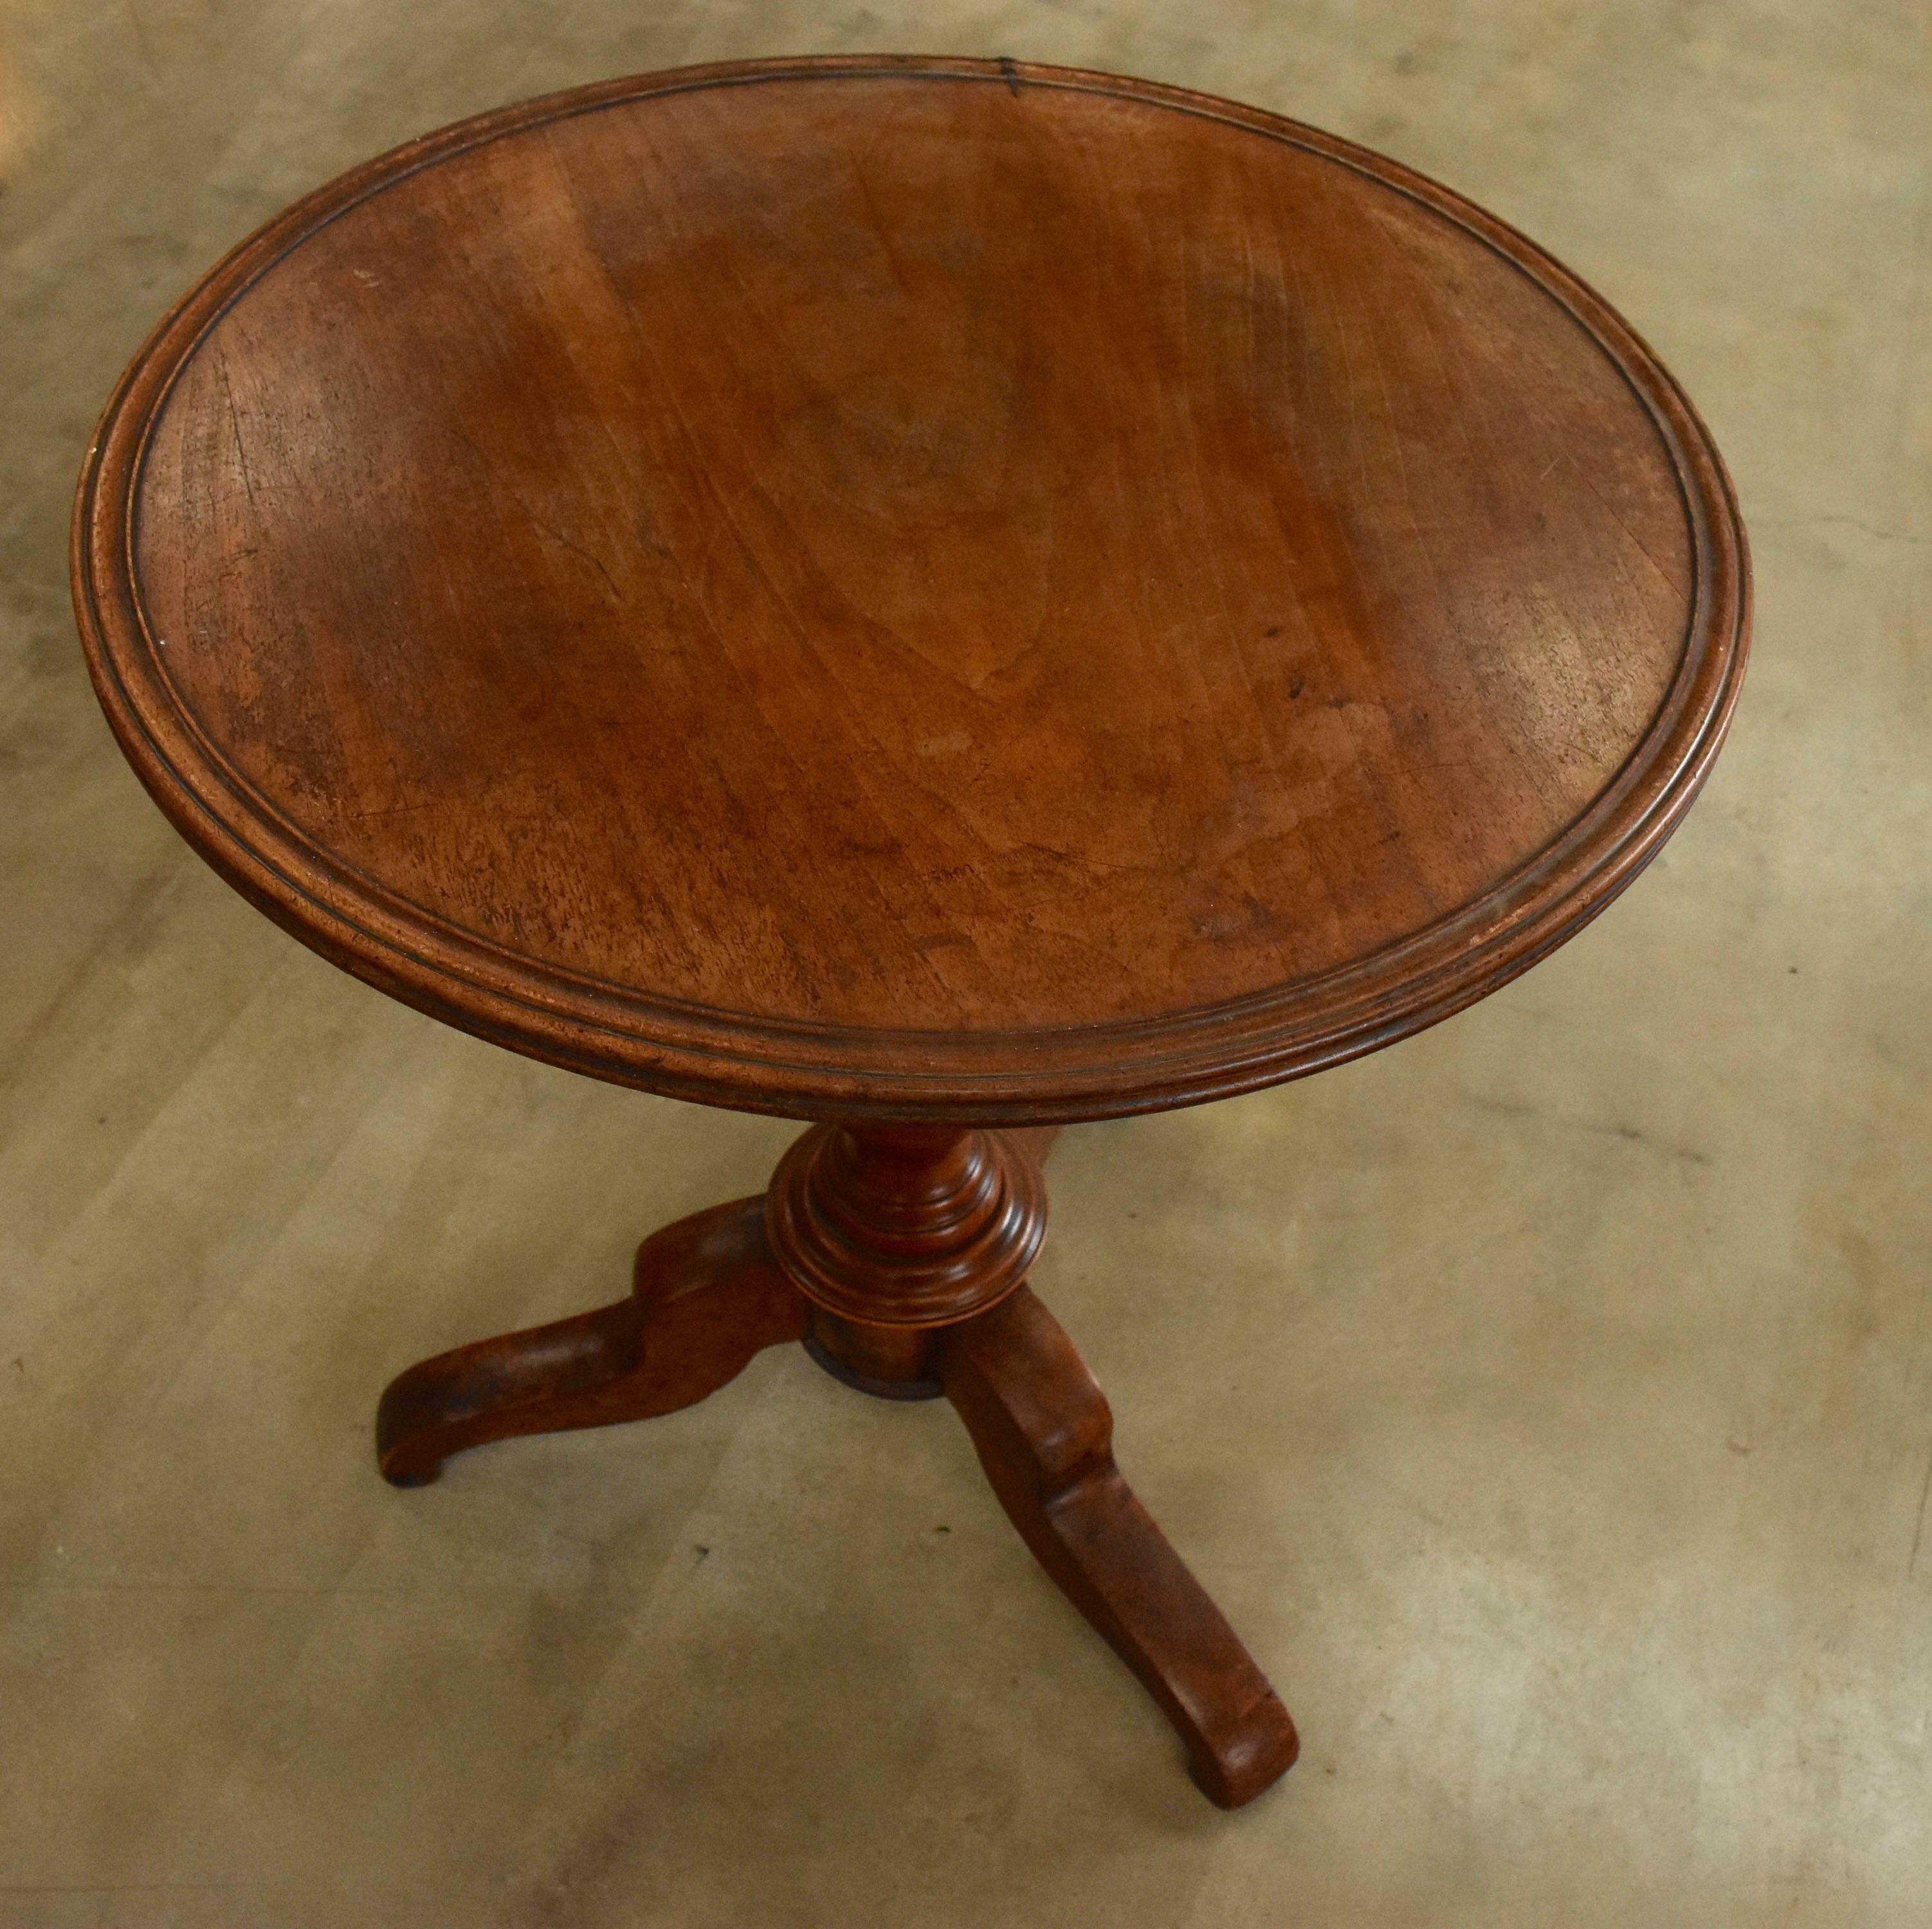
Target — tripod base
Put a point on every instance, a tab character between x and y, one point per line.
930	1231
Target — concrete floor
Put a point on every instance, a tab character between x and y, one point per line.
1548	1401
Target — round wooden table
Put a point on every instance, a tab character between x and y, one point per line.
940	598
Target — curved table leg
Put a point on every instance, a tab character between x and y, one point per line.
1045	1436
707	1297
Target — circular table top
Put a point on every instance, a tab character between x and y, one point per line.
910	588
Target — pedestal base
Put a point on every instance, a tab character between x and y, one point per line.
929	1233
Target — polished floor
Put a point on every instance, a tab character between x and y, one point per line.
1548	1401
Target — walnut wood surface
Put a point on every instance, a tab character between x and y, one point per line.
1045	1436
905	1226
926	589
706	1297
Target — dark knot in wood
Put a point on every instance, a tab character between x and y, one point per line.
905	1225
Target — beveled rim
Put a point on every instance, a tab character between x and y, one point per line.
817	1070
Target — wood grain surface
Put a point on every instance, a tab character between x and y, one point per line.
922	589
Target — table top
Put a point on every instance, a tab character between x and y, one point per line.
919	588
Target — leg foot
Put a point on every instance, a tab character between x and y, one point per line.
1044	1437
706	1297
